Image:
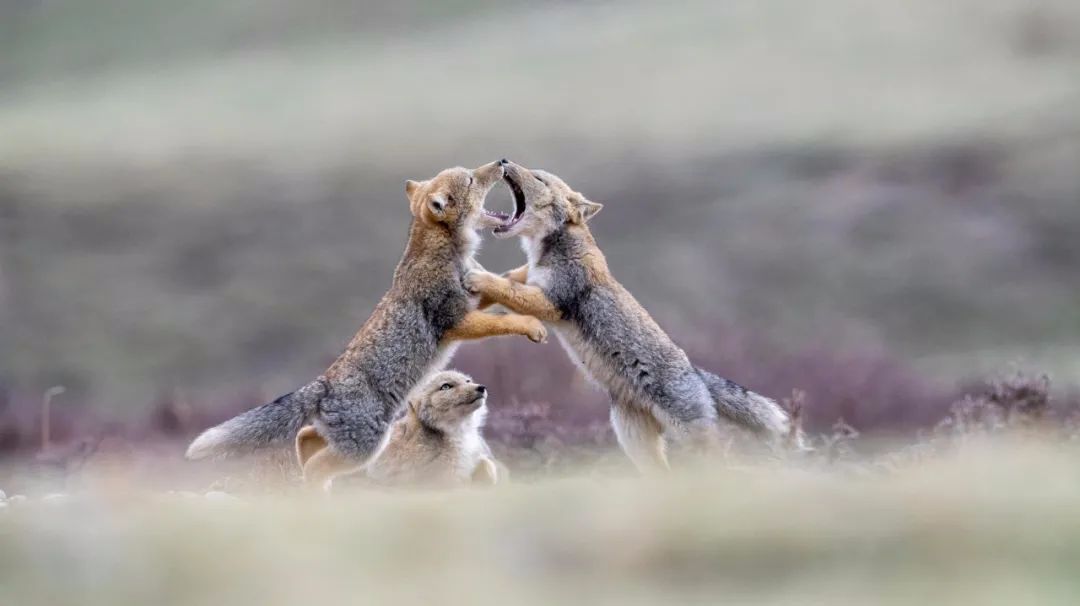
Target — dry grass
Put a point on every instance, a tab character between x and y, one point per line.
979	509
988	523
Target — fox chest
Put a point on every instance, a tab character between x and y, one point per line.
470	448
593	361
541	277
614	350
446	308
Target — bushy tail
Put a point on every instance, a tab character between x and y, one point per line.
273	424
747	409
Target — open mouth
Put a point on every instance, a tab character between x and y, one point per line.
494	214
519	207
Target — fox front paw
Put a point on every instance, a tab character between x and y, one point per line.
477	282
536	331
486	473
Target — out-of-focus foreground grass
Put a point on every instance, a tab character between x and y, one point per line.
987	524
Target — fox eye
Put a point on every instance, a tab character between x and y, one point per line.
445	386
537	177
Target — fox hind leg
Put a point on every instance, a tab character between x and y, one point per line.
641	437
701	437
308	442
325	465
687	413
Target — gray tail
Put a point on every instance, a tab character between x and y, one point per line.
269	425
745	408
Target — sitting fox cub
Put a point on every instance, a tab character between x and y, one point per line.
412	332
657	393
438	442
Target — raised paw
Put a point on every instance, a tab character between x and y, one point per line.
519	275
536	331
477	282
486	473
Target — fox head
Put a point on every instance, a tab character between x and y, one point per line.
543	204
447	401
455	197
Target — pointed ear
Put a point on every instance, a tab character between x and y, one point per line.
411	187
586	209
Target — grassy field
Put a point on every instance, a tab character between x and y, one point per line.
987	523
201	201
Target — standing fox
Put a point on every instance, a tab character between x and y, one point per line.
657	392
411	332
438	442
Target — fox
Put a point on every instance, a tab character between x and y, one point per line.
412	332
437	442
658	395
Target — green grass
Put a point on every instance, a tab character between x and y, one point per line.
989	524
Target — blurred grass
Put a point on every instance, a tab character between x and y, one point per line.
619	74
208	195
988	524
72	38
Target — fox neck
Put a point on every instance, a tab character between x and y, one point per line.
533	248
456	242
460	432
569	240
466	435
470	242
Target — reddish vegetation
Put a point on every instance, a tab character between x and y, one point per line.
545	415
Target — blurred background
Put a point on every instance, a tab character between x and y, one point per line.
201	202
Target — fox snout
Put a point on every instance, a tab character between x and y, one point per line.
511	167
516	175
489	174
479	394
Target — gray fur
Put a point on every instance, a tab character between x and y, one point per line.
742	406
356	399
354	408
265	426
610	335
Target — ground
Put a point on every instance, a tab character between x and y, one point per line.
988	523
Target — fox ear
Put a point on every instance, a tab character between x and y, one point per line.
586	209
411	187
437	206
